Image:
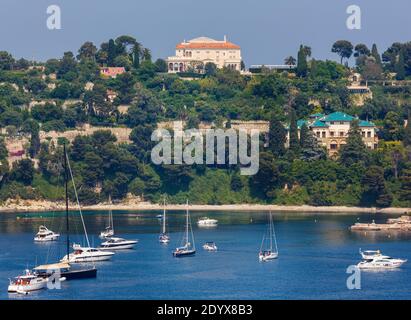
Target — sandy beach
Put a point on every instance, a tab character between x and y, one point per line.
35	206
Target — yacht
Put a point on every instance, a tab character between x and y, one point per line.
207	222
188	248
115	243
210	246
45	234
378	263
268	253
86	254
109	230
26	283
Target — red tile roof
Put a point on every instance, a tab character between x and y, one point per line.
207	45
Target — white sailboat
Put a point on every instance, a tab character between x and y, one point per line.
188	248
271	252
164	237
109	231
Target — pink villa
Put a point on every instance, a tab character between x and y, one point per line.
112	72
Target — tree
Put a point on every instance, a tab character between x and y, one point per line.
343	48
290	61
87	51
236	183
6	60
302	62
400	66
354	150
361	50
407	131
3	150
375	191
23	171
161	65
294	141
111	52
277	138
210	69
267	177
405	179
376	55
310	149
371	70
34	143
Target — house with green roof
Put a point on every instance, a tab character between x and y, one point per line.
332	130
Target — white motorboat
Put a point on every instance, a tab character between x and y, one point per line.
86	254
188	248
207	222
164	237
381	263
268	253
115	243
45	234
210	246
26	283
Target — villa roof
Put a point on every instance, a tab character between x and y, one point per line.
206	43
363	123
338	116
319	124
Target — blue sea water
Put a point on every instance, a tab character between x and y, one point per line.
314	253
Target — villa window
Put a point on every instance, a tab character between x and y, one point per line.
369	134
332	122
363	134
341	122
324	134
333	146
341	133
318	134
331	133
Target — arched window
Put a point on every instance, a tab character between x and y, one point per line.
181	67
176	66
170	66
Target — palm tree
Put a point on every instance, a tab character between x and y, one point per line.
290	61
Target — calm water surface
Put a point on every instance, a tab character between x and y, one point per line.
315	251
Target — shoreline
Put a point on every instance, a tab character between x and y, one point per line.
46	206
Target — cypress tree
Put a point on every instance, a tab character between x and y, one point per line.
277	138
400	67
302	62
111	52
294	141
376	55
310	149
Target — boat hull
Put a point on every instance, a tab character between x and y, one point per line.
47	239
39	285
185	253
119	247
80	274
269	257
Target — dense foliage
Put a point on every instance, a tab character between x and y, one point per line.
300	174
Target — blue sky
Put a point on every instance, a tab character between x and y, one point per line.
267	30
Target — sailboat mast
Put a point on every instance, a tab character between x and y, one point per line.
271	232
164	216
66	191
187	224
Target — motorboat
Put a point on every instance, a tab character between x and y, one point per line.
269	249
44	235
115	243
86	254
210	246
207	222
26	283
267	255
188	248
378	263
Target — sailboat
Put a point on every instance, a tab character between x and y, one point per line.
65	268
109	231
188	248
164	237
267	254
